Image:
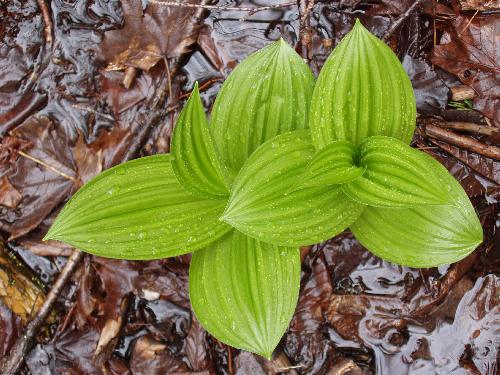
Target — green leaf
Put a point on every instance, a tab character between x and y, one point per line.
194	158
332	165
425	236
138	210
244	291
261	206
362	91
396	176
268	93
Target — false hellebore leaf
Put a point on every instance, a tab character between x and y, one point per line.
396	176
195	160
424	236
244	291
362	91
262	206
268	94
332	165
138	210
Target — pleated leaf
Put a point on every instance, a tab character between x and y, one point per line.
425	236
268	93
244	291
262	206
332	165
396	176
138	210
362	91
194	158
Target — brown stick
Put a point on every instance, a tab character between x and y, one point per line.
47	20
218	7
468	127
467	143
48	166
462	92
24	342
305	32
395	25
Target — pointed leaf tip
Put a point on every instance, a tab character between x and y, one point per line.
244	291
362	91
196	161
267	94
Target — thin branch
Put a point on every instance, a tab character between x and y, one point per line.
305	32
397	23
467	143
47	20
468	127
252	10
24	342
48	166
204	86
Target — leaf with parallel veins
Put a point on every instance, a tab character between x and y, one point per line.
244	291
195	160
362	91
138	210
396	175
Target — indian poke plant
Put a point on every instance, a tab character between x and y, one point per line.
284	162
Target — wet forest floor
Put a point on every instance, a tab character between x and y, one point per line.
88	84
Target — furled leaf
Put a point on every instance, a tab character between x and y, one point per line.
194	158
396	176
244	291
362	91
267	94
425	236
138	210
262	206
332	165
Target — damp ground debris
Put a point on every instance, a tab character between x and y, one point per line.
86	85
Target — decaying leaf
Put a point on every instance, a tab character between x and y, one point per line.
150	34
469	49
17	291
9	195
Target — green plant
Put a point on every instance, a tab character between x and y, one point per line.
284	162
464	105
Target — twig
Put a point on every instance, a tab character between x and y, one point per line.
401	19
24	342
93	111
305	32
224	8
469	22
206	85
468	127
48	166
47	20
467	143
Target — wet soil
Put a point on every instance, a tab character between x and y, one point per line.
63	102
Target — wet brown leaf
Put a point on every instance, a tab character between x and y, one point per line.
469	50
9	195
148	35
17	291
